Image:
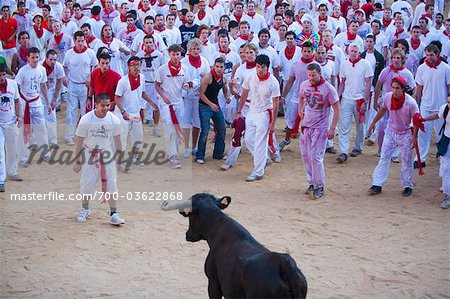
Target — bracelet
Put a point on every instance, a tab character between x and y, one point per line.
122	111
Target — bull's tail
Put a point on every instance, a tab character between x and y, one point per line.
293	276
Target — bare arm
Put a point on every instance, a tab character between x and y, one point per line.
15	64
206	80
377	94
334	122
78	153
288	86
242	100
44	91
226	91
119	104
147	98
341	87
161	92
18	112
379	115
418	95
274	114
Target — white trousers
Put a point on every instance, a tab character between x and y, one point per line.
290	113
256	139
191	116
136	132
151	92
39	131
8	152
51	125
77	96
90	175
444	172
170	137
349	111
425	137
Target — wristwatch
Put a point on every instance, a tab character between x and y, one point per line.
122	111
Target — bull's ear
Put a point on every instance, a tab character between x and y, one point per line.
224	201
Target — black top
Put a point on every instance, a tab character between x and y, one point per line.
187	34
212	91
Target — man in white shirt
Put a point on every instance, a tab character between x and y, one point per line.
256	21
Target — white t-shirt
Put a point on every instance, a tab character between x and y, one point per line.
257	22
434	82
272	54
231	59
263	92
195	76
29	80
447	124
286	64
99	132
7	104
131	100
242	74
150	65
79	65
113	47
69	28
172	86
58	73
354	78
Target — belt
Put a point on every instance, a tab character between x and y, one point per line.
149	81
77	82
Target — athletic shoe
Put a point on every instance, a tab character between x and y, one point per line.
187	153
277	159
318	193
84	214
123	167
226	166
379	153
54	146
342	158
370	142
2	187
174	162
395	160
441	189
23	164
69	141
445	204
331	150
254	177
156	132
115	219
268	162
310	189
355	153
15	177
284	143
47	159
149	123
200	161
375	190
33	147
138	162
194	151
416	165
407	192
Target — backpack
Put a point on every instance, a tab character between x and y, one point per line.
443	143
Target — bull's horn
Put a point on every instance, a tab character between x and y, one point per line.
182	205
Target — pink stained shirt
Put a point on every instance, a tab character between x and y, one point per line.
400	120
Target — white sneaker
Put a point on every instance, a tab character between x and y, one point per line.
277	159
123	167
156	132
23	164
84	214
268	161
115	219
54	146
15	177
445	204
200	161
69	141
187	153
137	162
33	147
225	166
254	177
174	162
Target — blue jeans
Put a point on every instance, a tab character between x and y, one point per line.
206	114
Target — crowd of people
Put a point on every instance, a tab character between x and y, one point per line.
326	66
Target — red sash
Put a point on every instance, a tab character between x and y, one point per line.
27	118
361	115
176	124
418	122
97	154
271	145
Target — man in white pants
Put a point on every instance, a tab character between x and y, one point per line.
78	65
98	133
262	114
9	115
356	78
55	75
32	79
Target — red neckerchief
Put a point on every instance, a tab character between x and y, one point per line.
386	23
23	53
361	22
201	15
397	103
48	68
196	62
216	77
307	35
205	42
4	86
435	65
264	78
159	30
354	62
161	5
249	65
238	18
336	17
304	60
267	4
82	15
415	43
64	21
145	10
224	52
446	33
184	22
276	28
397	33
212	5
245	37
58	38
329	48
39	31
108	12
82	50
90	39
376	33
350	36
323	19
321	81
106	42
22	13
251	15
396	70
123	18
425	33
149	53
289	52
174	69
135	82
97	18
152	2
146	32
134	28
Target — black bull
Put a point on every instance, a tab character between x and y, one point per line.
237	265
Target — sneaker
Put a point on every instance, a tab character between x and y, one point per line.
355	153
47	159
194	151
342	158
83	215
268	162
277	159
445	204
283	143
149	123
115	219
441	189
375	190
310	189
331	150
416	165
54	146
69	141
254	177
187	153
2	187
318	193
225	166
137	162
200	161
407	192
156	132
15	177
174	162
123	167
370	142
33	147
23	164
395	160
379	153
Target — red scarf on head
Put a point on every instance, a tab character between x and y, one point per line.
251	15
84	49
396	70
196	62
350	36
397	33
323	18
264	78
123	18
23	53
228	51
215	76
134	28
97	18
267	4
435	65
425	33
58	38
82	15
135	82
249	65
174	69
386	23
4	86
289	52
397	103
238	18
354	62
64	21
321	81
106	42
48	69
415	43
304	60
39	31
90	39
201	15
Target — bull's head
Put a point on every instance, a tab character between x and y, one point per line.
202	210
